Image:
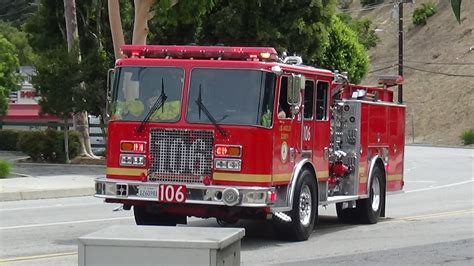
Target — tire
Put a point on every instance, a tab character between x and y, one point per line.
304	212
348	215
145	217
369	209
227	222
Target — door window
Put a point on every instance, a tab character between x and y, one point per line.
322	100
309	99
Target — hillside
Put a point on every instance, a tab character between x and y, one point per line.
439	107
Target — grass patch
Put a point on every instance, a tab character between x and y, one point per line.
467	137
5	168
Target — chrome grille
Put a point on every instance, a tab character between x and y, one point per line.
180	155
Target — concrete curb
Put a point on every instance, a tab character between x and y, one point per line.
46	194
468	147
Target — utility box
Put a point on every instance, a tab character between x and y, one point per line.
161	245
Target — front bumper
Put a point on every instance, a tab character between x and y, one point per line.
195	193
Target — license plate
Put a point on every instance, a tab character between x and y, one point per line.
172	193
147	192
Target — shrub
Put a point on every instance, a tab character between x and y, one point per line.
363	27
344	51
467	137
370	2
5	169
32	144
9	138
48	145
422	13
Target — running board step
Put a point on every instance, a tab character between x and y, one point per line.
337	199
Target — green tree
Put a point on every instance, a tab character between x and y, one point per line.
344	52
293	26
16	11
9	77
47	32
363	27
57	81
20	41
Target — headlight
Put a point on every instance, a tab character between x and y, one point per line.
228	164
132	160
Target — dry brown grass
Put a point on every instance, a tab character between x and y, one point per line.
439	107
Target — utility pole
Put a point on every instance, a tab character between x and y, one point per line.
400	49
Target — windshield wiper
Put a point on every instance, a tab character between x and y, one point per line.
208	114
156	106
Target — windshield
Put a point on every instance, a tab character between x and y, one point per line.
138	89
231	96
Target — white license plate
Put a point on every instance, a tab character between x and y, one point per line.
147	192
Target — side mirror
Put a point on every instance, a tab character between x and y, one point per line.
110	85
296	84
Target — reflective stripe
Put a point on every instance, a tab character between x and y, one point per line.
242	177
125	171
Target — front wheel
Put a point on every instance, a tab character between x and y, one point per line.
304	212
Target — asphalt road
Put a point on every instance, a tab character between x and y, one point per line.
431	223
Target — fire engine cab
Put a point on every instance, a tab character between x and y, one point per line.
238	132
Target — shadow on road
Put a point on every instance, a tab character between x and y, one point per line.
259	234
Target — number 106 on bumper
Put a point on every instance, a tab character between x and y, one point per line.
171	193
164	193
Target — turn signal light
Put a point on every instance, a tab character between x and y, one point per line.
228	151
133	146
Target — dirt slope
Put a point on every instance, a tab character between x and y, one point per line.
439	107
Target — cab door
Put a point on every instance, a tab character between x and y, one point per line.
321	129
284	141
308	130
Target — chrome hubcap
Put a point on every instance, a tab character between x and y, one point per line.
375	190
305	205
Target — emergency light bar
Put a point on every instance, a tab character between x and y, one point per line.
267	54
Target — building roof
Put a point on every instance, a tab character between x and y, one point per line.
26	112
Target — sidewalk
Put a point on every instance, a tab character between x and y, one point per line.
44	187
41	181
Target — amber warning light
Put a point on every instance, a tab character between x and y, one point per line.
133	146
226	150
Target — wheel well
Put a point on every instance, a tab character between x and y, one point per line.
291	188
310	168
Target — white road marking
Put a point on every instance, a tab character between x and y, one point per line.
440	187
65	223
51	206
419	181
39	257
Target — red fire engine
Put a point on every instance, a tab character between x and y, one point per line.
230	133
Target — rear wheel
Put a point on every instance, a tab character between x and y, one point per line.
347	215
304	212
369	209
144	217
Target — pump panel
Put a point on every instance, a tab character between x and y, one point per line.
346	139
